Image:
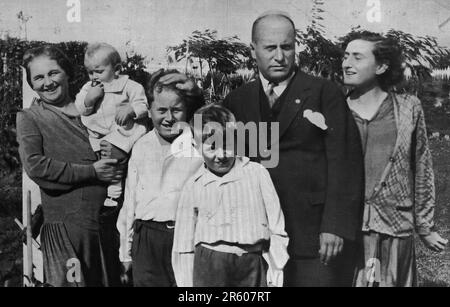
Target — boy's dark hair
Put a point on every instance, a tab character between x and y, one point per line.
216	117
193	101
52	53
386	50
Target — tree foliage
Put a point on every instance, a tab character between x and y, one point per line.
225	55
320	56
422	53
444	61
222	57
134	67
317	18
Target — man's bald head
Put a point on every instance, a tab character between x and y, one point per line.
273	46
270	17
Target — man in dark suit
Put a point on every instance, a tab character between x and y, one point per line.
319	176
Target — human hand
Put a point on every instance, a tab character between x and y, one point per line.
109	151
107	170
106	149
183	83
434	242
95	82
125	275
125	115
330	246
22	235
37	220
94	94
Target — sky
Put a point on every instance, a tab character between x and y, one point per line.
150	26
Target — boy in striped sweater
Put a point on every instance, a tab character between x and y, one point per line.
230	229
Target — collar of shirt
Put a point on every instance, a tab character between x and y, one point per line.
116	85
181	147
206	176
280	88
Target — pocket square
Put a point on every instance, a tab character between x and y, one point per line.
316	118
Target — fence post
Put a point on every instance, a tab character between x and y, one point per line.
29	243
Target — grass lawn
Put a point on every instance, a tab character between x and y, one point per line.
434	269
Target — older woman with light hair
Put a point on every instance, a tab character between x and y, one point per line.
56	154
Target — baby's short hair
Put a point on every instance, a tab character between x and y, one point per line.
217	119
112	55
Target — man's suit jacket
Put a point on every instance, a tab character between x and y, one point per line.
319	177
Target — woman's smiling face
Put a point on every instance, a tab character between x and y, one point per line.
359	65
49	80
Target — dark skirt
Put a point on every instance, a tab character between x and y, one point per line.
386	261
72	256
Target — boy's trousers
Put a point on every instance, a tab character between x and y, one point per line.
152	254
218	269
110	242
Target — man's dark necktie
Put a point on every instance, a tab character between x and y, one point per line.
270	93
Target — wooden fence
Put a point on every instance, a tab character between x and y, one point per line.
441	74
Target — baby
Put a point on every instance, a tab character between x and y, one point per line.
111	105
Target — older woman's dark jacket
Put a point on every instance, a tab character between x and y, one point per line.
56	154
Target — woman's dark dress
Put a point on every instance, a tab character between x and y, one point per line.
387	261
56	154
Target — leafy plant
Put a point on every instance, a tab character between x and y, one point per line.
422	54
134	67
320	56
221	56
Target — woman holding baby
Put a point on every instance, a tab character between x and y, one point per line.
56	154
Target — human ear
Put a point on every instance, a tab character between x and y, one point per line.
381	69
117	69
252	50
